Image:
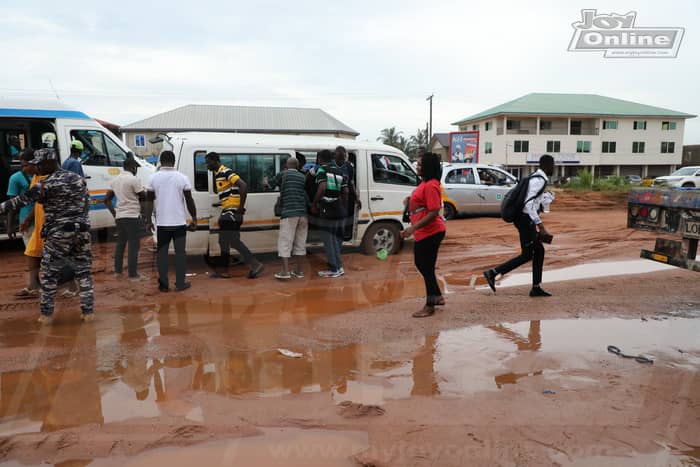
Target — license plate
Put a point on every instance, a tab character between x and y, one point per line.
692	230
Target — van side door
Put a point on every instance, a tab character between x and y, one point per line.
102	160
391	180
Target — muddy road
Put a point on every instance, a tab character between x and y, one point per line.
198	377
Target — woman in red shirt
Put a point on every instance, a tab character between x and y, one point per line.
428	229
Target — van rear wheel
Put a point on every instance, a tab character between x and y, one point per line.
382	235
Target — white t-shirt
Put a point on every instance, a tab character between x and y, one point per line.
126	188
168	184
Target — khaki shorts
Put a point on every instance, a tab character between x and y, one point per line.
292	239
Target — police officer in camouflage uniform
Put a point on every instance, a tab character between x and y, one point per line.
66	230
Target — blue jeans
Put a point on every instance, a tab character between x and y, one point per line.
333	242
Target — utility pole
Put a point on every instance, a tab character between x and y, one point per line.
430	127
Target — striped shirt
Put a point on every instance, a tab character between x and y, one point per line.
226	187
294	198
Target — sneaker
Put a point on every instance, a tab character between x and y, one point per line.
43	319
184	286
298	275
341	271
140	278
69	293
256	271
538	292
282	276
331	274
87	318
27	293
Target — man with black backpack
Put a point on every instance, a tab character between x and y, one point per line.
526	199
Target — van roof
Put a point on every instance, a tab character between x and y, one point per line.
31	108
299	142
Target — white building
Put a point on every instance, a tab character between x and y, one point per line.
608	136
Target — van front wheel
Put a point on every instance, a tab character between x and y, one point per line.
382	235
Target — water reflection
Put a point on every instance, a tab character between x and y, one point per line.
144	362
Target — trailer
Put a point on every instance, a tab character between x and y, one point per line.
674	212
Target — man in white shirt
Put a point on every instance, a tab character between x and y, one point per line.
130	194
531	230
171	191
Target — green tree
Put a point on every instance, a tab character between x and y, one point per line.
416	141
392	137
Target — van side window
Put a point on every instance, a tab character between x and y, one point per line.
460	176
393	170
252	168
98	148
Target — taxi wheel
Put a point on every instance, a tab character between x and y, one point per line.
450	211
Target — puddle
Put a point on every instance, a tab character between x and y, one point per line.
142	365
277	446
579	272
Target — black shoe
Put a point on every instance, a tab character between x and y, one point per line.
538	292
163	287
256	271
490	276
184	286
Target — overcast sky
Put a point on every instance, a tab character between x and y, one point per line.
370	64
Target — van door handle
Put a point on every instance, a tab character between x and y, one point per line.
377	198
216	205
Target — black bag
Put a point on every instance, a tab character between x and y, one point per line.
515	200
230	220
332	209
278	204
406	218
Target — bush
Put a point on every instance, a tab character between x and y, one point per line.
583	181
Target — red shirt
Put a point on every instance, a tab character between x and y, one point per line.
428	195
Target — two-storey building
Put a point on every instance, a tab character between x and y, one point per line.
608	136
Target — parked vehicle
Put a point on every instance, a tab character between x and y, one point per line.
687	177
384	177
670	212
474	188
633	179
39	124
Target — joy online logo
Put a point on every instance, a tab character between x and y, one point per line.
617	36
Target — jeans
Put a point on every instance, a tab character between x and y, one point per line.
178	235
532	249
232	239
128	229
425	256
333	243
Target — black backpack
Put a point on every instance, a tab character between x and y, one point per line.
514	201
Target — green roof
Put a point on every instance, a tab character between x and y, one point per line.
574	104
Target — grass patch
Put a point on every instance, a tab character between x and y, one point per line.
584	182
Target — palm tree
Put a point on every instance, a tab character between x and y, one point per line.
392	137
420	138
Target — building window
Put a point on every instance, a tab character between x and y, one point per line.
487	126
576	126
488	148
545	124
475	127
583	146
638	147
609	147
668	126
513	125
668	147
640	125
553	146
521	146
609	124
140	141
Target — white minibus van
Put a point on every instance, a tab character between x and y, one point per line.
37	124
384	177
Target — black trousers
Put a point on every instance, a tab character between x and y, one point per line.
532	249
178	235
425	254
128	230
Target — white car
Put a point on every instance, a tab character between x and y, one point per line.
474	188
687	177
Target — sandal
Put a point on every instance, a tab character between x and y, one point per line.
27	293
425	312
69	293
